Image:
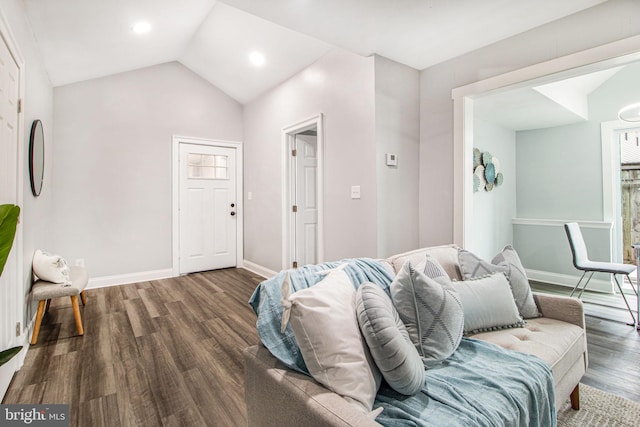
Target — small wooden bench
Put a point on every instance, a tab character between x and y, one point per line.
43	291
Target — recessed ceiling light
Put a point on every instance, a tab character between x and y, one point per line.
141	27
257	59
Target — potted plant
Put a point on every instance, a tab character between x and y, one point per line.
8	224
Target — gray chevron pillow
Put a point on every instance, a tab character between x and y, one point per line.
431	312
508	262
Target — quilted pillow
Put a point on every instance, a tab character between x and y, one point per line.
508	262
388	340
50	268
324	322
431	312
488	304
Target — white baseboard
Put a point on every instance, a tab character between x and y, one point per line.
569	281
258	269
123	279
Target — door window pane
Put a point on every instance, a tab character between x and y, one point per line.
207	166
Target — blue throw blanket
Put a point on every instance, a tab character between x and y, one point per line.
265	302
481	384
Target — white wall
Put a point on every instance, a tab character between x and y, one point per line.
341	86
112	163
397	121
610	21
37	104
494	210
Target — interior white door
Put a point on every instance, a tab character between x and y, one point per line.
306	199
207	207
10	310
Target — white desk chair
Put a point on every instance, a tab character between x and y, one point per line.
582	262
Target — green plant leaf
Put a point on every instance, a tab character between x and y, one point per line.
8	223
6	355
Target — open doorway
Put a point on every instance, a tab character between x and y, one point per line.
302	240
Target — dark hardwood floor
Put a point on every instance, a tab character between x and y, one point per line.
161	353
169	352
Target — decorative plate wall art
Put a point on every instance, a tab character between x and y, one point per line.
486	171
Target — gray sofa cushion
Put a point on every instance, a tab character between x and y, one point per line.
431	312
506	261
488	304
388	340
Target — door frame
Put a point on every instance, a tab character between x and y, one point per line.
175	195
22	288
611	183
288	135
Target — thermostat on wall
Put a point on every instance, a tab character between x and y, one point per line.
392	159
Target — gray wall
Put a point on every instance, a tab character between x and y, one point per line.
397	102
493	210
610	21
341	86
37	104
112	163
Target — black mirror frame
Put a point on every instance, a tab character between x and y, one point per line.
36	187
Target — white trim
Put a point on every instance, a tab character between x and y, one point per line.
598	58
605	225
125	279
258	269
568	280
611	187
287	133
175	200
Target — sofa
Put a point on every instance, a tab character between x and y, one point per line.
277	395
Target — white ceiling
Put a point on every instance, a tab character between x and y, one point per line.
84	39
558	103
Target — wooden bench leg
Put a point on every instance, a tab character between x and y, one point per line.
36	327
46	310
76	314
575	398
83	297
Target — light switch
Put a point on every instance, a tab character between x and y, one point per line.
249	195
355	191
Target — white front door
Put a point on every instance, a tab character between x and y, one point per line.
305	217
208	208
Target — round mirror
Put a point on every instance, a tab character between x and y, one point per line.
36	157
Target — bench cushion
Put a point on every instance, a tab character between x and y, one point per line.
42	290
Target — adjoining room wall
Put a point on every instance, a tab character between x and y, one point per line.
607	22
494	210
112	163
397	102
340	86
560	179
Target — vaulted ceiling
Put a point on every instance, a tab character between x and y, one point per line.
85	39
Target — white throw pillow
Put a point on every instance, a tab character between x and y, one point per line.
50	268
324	322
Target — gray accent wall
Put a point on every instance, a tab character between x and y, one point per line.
340	86
112	164
397	102
370	107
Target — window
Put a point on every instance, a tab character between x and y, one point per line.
207	166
